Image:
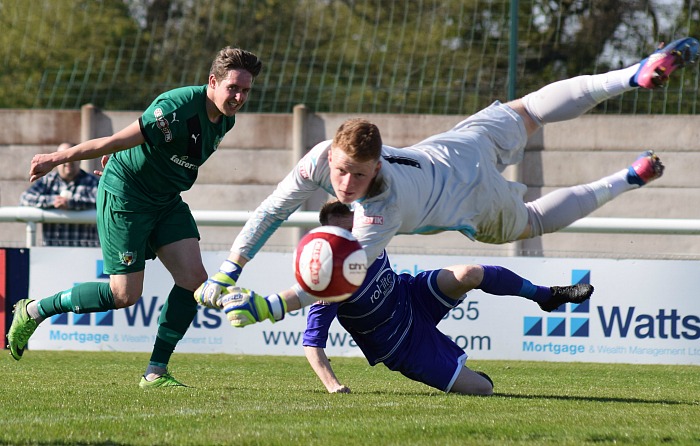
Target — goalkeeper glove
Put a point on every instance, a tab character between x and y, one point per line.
209	292
244	307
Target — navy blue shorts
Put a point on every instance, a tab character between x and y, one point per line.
426	354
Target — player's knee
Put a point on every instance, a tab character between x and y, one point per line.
484	389
479	389
455	281
125	298
485	385
535	224
470	276
192	280
126	289
532	121
473	383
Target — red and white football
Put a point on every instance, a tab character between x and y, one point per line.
329	263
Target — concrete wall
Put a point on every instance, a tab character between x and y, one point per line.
259	152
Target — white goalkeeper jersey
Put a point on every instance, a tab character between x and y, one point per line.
448	182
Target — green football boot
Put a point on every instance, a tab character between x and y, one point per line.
166	380
21	330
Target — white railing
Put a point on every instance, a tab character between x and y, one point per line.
309	219
32	216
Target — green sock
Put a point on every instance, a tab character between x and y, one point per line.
175	318
88	297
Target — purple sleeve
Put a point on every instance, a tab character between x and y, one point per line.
318	322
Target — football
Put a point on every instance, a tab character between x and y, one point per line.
329	263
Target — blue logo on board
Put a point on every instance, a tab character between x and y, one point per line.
574	323
103	319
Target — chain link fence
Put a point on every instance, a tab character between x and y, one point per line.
345	56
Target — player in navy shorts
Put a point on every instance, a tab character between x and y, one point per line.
393	317
408	342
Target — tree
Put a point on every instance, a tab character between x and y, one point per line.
414	56
49	48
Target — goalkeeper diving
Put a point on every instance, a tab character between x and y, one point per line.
399	329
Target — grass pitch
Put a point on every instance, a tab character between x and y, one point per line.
79	398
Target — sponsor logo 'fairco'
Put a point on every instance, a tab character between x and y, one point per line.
182	161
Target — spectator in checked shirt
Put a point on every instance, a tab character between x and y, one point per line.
68	188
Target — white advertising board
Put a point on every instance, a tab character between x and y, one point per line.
642	311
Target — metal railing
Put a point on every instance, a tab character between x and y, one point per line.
32	216
309	219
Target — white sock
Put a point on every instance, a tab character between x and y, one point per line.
560	208
570	98
613	83
612	186
33	312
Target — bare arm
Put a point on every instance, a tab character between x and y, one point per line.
237	258
124	139
322	366
238	311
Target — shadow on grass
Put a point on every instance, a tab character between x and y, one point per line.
596	399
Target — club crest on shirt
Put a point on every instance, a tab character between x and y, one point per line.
162	124
127	258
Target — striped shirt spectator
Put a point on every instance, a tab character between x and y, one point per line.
67	188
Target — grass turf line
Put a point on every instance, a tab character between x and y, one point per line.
93	398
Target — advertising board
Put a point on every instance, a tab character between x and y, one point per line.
642	311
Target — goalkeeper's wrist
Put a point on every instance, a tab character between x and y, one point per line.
305	299
277	307
232	270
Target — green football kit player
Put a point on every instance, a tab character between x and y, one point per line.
140	212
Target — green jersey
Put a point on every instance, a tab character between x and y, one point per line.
179	139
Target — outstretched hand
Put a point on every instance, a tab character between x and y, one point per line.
41	165
209	293
244	307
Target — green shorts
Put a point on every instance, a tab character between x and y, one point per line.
130	232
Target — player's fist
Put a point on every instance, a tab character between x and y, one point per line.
244	307
41	165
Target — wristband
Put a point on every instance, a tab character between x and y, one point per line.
276	306
231	269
